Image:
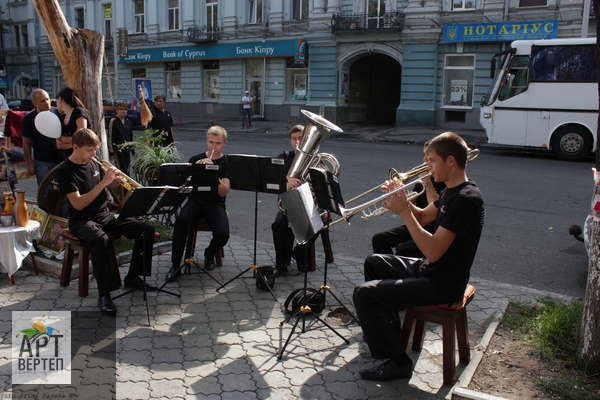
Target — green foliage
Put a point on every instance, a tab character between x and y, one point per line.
552	328
151	154
5	23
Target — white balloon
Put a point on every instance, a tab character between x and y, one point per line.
48	124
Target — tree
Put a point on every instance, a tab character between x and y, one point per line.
80	53
589	334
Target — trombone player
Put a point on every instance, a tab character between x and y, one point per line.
83	182
395	282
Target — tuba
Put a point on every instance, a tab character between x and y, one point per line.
316	131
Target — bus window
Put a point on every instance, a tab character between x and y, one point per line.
564	64
516	79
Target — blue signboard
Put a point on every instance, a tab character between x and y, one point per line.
284	48
3	82
501	31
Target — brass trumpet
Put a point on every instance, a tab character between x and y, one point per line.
365	208
127	182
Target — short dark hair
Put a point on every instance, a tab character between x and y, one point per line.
85	137
450	144
296	128
160	96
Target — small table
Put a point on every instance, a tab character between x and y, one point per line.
16	243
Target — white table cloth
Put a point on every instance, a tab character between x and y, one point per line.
15	244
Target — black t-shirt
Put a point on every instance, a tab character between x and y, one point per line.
460	210
288	158
223	173
70	128
119	133
44	147
83	178
162	122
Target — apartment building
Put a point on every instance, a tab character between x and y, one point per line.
410	62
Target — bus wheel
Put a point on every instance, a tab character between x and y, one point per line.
572	143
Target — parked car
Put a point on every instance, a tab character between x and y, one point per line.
20	105
133	109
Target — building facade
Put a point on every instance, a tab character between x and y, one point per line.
410	62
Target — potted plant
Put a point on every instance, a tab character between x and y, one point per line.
151	154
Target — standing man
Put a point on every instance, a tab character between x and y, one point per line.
81	180
120	130
395	282
162	120
45	152
204	205
247	109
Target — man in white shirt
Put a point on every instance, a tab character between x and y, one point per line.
247	110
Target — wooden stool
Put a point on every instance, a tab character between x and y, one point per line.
190	248
73	244
311	262
452	317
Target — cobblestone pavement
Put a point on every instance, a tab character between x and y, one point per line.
224	344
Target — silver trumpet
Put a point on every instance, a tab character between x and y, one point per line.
365	208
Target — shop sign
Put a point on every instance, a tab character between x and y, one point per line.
3	82
501	31
284	48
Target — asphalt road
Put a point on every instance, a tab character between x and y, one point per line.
531	201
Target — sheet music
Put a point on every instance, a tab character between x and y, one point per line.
309	205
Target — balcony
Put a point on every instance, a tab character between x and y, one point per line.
203	34
363	22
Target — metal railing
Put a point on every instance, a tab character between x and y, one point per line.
198	33
364	22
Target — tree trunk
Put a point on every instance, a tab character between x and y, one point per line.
80	53
589	336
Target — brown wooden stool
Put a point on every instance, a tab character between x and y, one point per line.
73	244
190	248
452	317
311	262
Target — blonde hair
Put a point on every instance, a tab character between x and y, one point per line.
217	131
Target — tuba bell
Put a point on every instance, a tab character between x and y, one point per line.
316	131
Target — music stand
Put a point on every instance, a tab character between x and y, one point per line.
257	174
306	223
145	201
191	178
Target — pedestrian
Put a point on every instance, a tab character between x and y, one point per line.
247	110
120	131
162	120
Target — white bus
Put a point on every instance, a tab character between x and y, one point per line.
544	94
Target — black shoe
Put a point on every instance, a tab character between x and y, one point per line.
173	274
209	264
106	305
280	270
135	282
388	371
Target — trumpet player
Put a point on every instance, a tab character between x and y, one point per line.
82	181
204	205
399	238
395	282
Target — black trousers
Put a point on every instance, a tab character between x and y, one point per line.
123	159
94	232
398	238
282	234
195	210
393	283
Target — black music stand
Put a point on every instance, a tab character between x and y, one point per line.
191	178
306	223
257	174
329	197
146	201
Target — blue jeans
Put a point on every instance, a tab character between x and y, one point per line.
247	113
41	169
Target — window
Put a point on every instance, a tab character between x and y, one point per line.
516	78
210	79
296	81
376	13
459	73
25	38
107	21
254	11
17	36
458	5
173	80
212	14
79	18
299	9
532	3
563	63
173	12
139	72
140	18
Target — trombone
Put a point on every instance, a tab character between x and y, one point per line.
348	213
